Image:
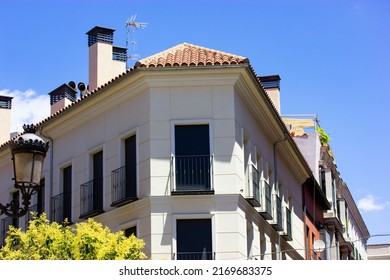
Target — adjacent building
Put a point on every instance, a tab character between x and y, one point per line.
378	251
340	226
186	150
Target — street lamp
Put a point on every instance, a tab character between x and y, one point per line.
28	152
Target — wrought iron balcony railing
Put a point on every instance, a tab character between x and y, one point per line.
277	222
253	192
194	256
91	201
192	174
287	226
61	208
266	202
123	185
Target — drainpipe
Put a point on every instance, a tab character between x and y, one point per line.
50	171
278	255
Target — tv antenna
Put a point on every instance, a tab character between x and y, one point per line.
131	27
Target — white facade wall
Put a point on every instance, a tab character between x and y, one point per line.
150	108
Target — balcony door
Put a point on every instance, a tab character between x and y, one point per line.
67	185
131	166
192	157
98	181
194	239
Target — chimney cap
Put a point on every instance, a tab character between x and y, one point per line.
61	92
272	81
100	29
5	102
101	35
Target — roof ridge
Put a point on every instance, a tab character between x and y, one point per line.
186	54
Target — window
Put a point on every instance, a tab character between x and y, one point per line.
98	180
323	181
91	196
124	179
67	187
192	160
41	197
194	239
131	231
334	193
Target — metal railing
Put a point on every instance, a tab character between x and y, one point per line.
266	207
194	256
57	208
278	216
287	227
288	222
61	207
192	173
123	189
253	185
90	204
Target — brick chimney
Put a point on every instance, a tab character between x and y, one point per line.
62	97
5	118
105	60
272	87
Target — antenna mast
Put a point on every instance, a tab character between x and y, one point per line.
131	28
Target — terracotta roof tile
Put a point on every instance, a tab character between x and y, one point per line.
190	55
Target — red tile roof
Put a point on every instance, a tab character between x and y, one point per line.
190	55
184	54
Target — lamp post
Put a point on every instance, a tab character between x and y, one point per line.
28	153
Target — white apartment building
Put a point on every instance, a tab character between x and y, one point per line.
186	150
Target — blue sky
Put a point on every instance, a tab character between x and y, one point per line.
333	58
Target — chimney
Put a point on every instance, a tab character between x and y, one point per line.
105	60
271	85
62	97
5	118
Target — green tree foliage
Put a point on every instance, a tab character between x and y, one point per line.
85	241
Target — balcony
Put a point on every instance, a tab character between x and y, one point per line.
91	199
61	208
123	185
253	192
277	222
194	256
192	175
57	208
287	228
266	203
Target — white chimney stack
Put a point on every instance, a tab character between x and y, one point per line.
105	60
271	85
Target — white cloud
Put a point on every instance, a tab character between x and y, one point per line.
28	107
368	204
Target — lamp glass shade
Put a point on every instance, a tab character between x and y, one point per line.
28	168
